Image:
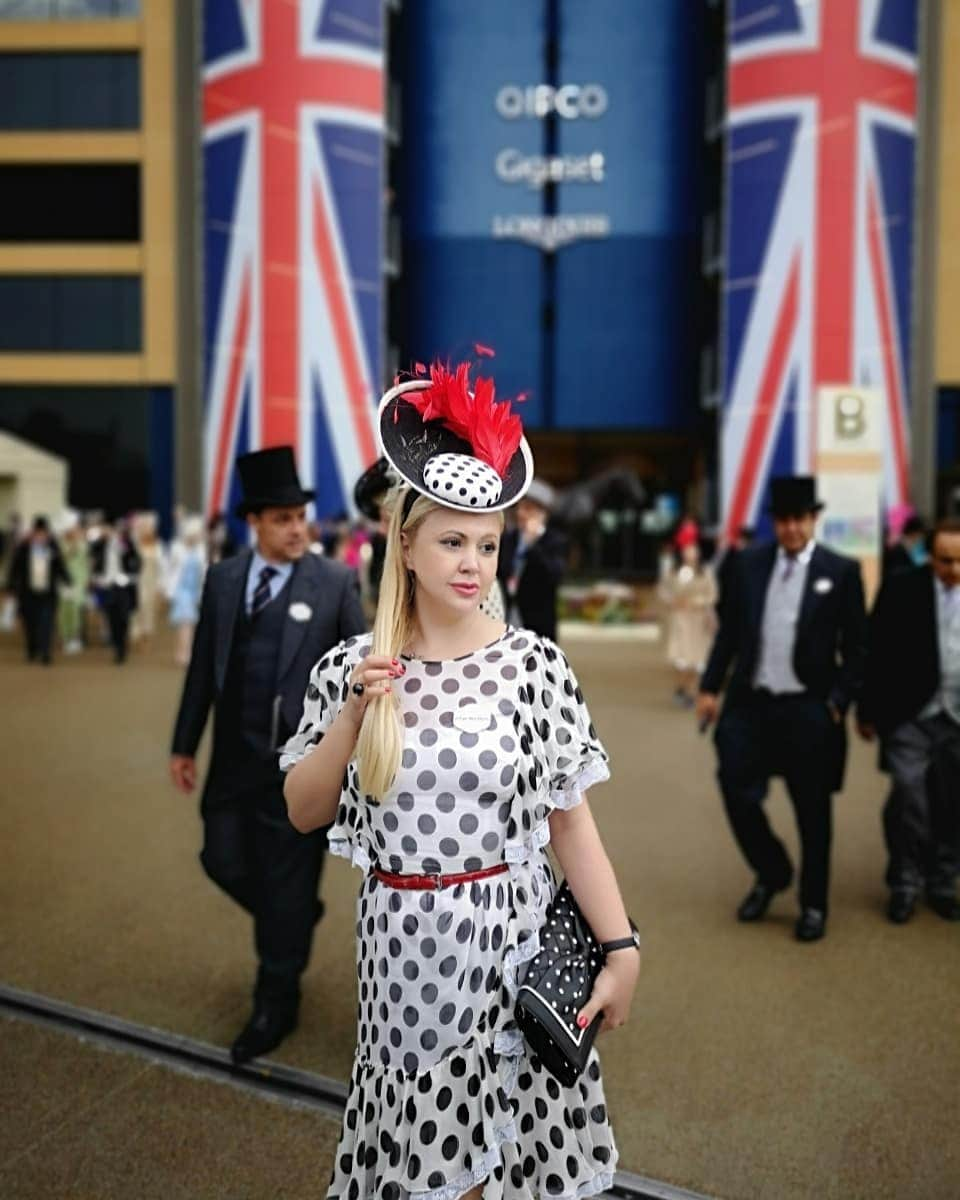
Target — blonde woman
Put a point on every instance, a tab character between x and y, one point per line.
152	572
464	747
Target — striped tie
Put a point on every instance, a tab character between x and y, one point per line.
261	597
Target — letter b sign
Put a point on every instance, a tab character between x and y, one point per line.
849	417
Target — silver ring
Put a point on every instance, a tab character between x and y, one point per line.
358	689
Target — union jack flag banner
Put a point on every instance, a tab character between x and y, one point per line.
292	135
821	148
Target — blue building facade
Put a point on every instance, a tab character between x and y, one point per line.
549	198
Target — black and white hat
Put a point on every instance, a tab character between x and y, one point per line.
449	439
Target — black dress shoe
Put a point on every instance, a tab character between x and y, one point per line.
811	925
901	907
265	1030
756	902
947	907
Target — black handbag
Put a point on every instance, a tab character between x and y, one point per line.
558	983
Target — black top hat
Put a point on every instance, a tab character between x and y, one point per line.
442	436
269	480
370	488
791	495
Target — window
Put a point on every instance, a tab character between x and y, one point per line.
70	203
90	313
69	91
83	10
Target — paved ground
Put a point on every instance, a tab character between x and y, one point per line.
81	1123
753	1068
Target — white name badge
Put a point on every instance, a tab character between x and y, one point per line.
472	719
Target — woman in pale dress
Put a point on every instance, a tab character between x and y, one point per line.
151	577
688	590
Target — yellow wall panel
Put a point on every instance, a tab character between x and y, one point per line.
108	369
70	147
69	35
948	247
158	191
23	258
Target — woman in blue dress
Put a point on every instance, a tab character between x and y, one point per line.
186	587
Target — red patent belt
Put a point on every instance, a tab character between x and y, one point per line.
437	881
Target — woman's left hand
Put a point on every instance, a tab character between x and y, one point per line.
613	991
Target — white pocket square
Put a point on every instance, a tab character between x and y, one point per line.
300	611
823	586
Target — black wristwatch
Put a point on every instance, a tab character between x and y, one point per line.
629	943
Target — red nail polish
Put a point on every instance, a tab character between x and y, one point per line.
582	1021
392	674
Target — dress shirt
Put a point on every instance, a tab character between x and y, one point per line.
947	698
282	572
39	567
778	632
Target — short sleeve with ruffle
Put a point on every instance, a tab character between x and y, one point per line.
574	755
561	755
326	694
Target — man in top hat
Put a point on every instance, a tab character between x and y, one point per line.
792	638
267	615
37	570
114	569
533	558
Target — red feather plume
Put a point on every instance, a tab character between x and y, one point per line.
492	429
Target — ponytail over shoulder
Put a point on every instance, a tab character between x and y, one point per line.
380	742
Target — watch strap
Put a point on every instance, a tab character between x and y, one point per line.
629	943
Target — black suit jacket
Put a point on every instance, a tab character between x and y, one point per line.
328	589
18	580
544	565
903	660
830	644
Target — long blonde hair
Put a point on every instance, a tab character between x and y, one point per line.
380	742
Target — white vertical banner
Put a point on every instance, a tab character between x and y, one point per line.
848	460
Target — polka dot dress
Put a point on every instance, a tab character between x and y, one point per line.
444	1094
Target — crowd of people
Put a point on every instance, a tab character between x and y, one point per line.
80	580
453	743
389	738
782	629
794	651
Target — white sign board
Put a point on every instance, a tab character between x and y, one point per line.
851	427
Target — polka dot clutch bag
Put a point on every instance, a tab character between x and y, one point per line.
557	985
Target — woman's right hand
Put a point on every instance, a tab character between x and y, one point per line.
376	673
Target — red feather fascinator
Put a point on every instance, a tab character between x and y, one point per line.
490	426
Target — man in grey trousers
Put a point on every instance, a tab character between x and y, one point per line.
911	698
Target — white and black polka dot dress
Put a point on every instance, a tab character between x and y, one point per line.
443	1093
